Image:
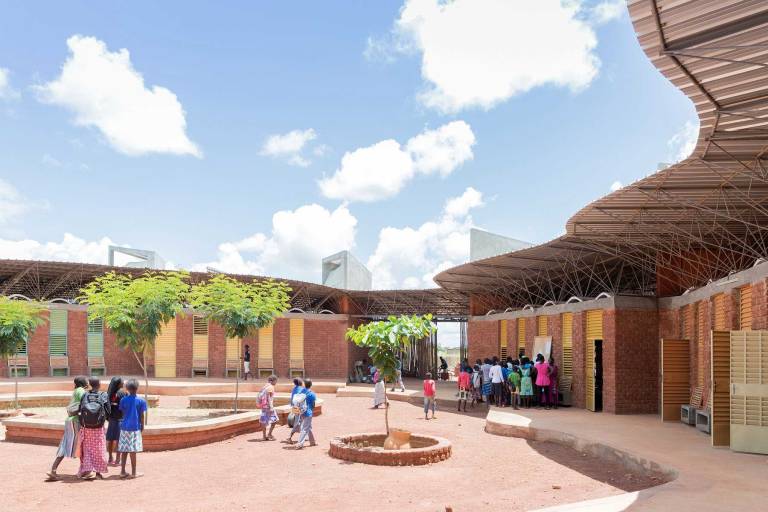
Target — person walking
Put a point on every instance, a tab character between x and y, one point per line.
266	401
430	398
133	408
306	417
68	447
94	410
115	393
297	405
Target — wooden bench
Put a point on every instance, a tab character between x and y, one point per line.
59	363
20	364
232	368
199	367
96	366
296	368
265	368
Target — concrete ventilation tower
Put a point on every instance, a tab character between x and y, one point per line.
483	244
147	259
342	270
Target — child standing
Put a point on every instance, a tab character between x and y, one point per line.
514	383
115	393
71	438
526	383
268	414
464	386
133	408
430	390
306	416
542	380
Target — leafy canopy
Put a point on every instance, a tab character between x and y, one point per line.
136	308
385	338
18	319
240	308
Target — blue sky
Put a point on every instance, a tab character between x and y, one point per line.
412	121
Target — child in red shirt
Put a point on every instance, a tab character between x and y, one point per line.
430	389
463	388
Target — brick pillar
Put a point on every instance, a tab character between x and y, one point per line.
184	346
37	348
119	361
482	339
706	344
77	342
531	326
217	350
555	329
325	350
609	360
637	358
579	384
281	339
669	324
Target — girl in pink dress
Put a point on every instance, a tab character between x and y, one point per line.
553	393
542	380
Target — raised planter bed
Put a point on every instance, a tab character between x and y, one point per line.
368	449
49	399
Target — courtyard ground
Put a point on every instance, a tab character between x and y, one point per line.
486	472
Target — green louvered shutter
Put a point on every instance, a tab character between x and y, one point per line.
22	349
57	339
96	338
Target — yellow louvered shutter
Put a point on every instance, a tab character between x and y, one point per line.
749	391
745	308
719	316
521	335
165	351
503	339
541	325
57	337
567	369
199	340
595	324
589	370
296	343
265	347
233	352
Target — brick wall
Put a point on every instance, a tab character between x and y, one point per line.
609	361
184	346
759	306
37	348
77	342
482	339
531	327
555	329
579	384
637	361
117	360
217	350
669	324
326	354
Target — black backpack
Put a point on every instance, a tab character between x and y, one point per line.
92	413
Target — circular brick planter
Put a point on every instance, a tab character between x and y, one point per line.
367	449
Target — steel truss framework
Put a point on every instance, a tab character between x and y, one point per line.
61	282
690	223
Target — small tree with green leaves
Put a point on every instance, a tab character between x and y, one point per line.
135	309
240	308
18	320
385	339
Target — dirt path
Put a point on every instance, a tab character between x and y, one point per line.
486	472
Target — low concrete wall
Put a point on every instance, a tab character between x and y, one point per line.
49	399
248	401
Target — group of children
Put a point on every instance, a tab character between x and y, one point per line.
299	419
84	434
513	382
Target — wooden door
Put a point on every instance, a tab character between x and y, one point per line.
720	402
675	382
749	391
589	365
165	351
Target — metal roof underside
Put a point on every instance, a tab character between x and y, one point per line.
694	221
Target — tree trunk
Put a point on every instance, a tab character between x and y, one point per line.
386	407
143	363
15	384
237	385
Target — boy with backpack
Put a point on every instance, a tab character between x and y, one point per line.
133	408
298	406
306	416
94	409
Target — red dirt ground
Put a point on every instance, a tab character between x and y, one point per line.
486	472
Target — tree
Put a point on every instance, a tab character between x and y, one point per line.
18	319
240	308
135	309
385	339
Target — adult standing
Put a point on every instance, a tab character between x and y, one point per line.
306	417
115	393
542	380
68	447
485	369
94	409
247	362
497	378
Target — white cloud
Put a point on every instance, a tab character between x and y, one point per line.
71	248
381	170
13	204
478	53
616	185
299	240
410	257
6	91
50	160
290	145
682	143
608	11
103	90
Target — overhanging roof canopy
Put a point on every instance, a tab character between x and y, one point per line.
696	220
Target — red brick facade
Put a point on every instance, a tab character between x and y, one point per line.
482	339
